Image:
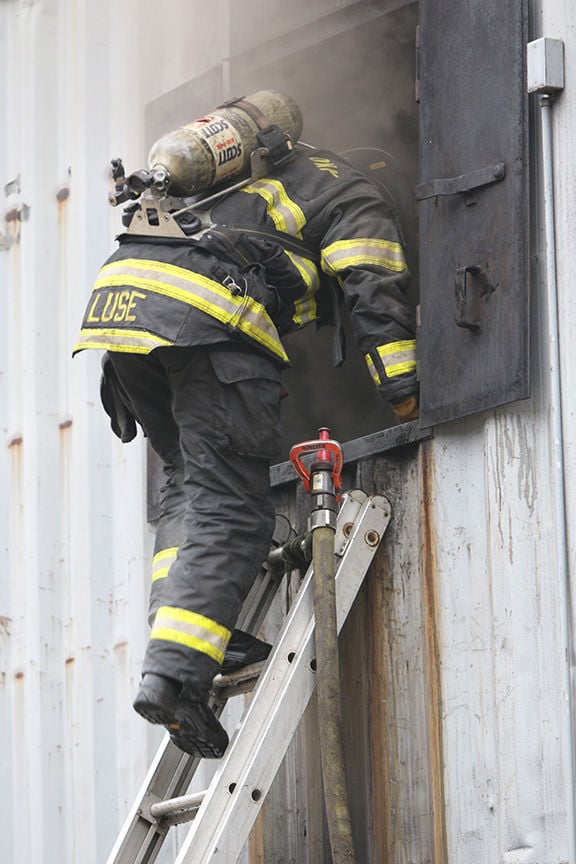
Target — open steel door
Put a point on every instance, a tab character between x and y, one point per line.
473	207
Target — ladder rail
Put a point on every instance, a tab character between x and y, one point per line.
237	792
171	772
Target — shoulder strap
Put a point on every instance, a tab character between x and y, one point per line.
293	244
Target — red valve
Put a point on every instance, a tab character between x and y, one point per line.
327	450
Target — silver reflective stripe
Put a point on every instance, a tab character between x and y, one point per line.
398	357
134	341
305	308
285	213
191	630
162	562
197	290
372	369
363	250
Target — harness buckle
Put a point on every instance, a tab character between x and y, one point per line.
235	289
277	143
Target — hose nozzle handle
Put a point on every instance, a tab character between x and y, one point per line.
327	450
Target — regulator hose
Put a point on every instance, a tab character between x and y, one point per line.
328	691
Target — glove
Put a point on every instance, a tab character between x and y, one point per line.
407	410
122	420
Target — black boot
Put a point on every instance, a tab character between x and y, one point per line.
185	713
157	699
243	650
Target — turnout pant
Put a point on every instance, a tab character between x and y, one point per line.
212	416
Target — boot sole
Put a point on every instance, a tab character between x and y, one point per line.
196	731
154	713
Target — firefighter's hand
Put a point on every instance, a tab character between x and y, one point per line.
407	410
121	419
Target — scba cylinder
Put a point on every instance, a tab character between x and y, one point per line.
217	147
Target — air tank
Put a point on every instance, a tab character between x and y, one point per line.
217	147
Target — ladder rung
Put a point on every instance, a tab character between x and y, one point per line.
181	809
269	722
260	742
242	681
174	811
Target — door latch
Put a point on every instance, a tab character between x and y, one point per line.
465	184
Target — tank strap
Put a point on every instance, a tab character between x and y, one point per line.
249	108
293	244
270	136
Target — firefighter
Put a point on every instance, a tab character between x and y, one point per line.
193	333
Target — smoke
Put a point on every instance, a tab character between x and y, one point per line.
351	68
356	89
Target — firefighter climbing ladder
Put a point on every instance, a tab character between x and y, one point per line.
224	814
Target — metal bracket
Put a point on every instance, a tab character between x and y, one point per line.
463	184
152	220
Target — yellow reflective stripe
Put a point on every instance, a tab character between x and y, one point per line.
305	309
400	368
191	630
170	552
398	357
162	562
249	319
133	341
363	250
199	291
372	369
285	213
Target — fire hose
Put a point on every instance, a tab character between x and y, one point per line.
323	483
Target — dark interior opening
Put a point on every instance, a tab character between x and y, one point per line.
356	90
353	73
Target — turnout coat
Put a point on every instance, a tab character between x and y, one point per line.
264	261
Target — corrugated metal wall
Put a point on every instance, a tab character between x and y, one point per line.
75	543
453	655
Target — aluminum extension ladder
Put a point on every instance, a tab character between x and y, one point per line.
224	814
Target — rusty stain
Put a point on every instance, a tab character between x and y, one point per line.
18	675
69	661
63	194
65	424
120	646
20	213
372	538
431	628
383	741
256	840
5	625
16	441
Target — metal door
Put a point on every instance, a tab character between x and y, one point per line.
473	202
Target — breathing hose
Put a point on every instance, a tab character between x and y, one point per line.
322	482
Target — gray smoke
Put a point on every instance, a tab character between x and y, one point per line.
351	68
